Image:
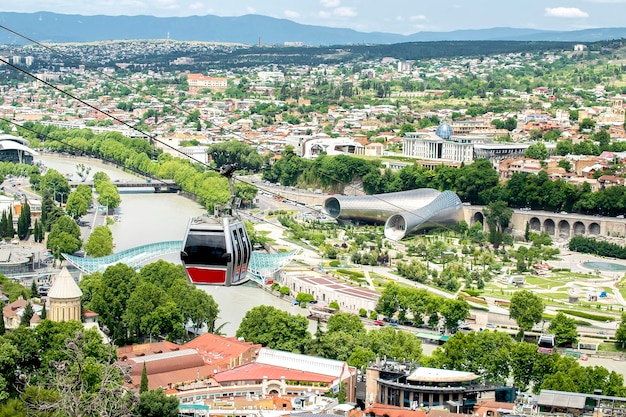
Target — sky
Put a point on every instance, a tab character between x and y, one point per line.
394	16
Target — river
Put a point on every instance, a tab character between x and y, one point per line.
147	217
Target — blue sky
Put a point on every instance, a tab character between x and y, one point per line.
396	16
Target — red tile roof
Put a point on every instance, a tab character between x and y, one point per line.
257	371
145	349
392	411
222	352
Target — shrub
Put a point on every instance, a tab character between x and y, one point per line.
585	315
362	312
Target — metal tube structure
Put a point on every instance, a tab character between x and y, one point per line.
445	209
377	208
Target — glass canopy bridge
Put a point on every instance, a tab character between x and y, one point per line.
262	266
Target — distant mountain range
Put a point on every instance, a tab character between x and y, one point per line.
249	29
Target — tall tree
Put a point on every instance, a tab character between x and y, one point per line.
526	309
143	385
498	216
564	329
23	222
454	311
27	314
34	293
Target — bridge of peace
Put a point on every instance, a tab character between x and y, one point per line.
559	226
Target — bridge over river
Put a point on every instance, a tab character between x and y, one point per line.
159	185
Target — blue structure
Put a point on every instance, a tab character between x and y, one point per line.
444	131
261	265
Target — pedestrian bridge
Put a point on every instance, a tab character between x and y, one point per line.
262	266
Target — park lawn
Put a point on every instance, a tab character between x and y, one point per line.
610	347
554	295
571	276
541	282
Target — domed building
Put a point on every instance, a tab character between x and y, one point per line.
64	298
444	131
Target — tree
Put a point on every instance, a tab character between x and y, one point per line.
498	216
523	359
195	305
34	293
620	333
485	353
8	361
100	242
82	384
564	329
454	311
79	201
390	343
155	403
27	314
165	319
143	385
144	299
303	298
565	164
345	322
537	151
38	232
274	328
526	309
387	304
109	297
64	237
23	222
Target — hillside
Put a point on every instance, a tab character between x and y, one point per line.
250	29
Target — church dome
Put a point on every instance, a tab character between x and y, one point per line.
64	287
444	131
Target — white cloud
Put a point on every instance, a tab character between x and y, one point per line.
417	17
196	6
607	1
251	10
345	12
291	14
324	15
567	12
167	4
330	3
399	18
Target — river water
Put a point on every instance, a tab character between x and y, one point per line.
147	217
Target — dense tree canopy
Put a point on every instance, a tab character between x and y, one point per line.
100	242
275	329
64	237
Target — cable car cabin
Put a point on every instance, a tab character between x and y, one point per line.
546	344
216	251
